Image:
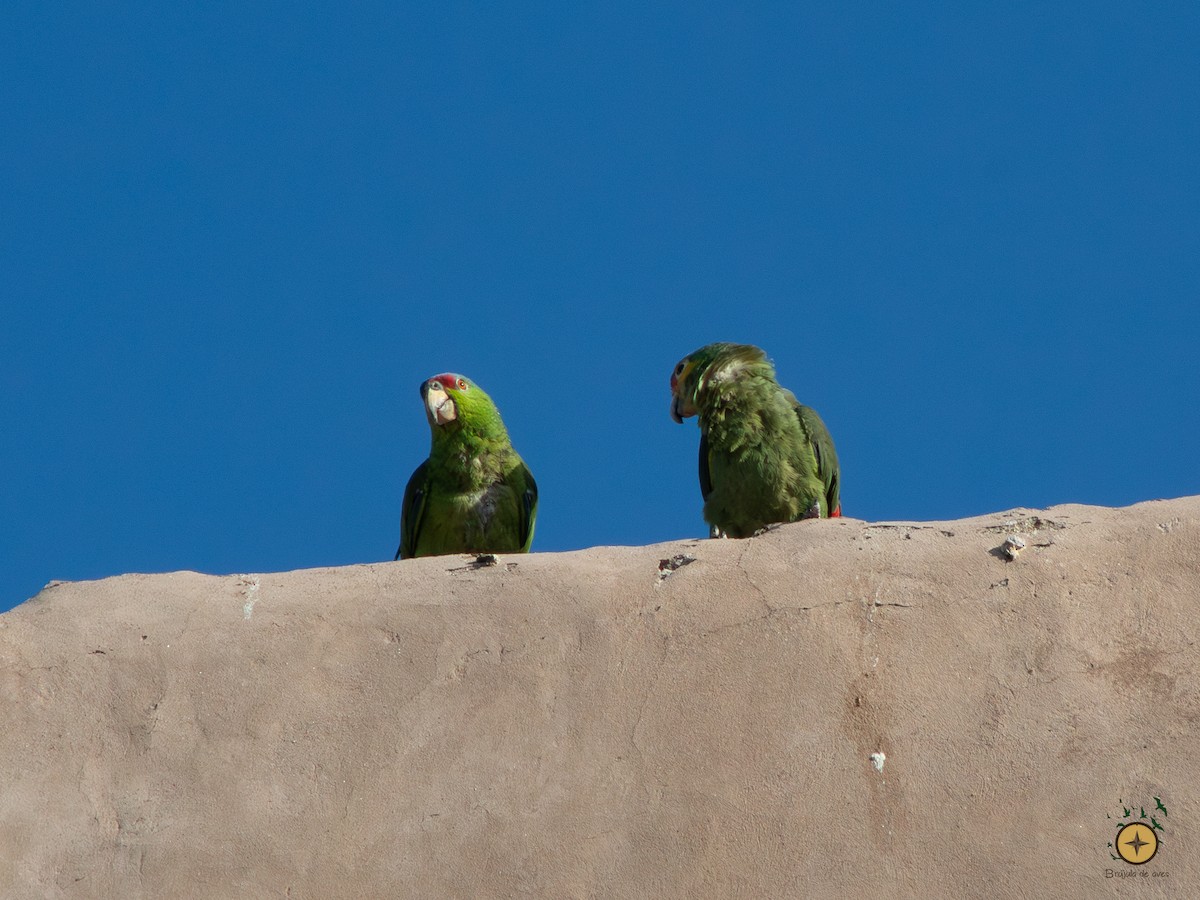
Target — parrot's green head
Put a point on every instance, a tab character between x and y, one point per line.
450	398
712	363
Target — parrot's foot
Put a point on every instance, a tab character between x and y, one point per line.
766	528
715	532
813	512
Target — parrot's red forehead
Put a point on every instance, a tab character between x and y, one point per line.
448	380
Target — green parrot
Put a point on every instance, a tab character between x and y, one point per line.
474	494
764	457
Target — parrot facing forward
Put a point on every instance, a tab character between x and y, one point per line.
764	457
473	494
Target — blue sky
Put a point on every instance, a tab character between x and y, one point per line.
234	238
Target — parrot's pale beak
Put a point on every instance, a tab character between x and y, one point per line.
681	409
439	405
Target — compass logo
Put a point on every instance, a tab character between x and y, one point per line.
1136	843
1139	833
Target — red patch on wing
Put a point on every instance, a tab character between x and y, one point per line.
837	513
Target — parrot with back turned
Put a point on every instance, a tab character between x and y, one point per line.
473	494
764	457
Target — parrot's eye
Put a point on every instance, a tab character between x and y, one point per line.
679	369
462	384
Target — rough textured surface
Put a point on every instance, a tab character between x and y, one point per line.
586	725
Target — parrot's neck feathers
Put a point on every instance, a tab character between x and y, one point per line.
735	363
472	450
473	435
726	371
740	382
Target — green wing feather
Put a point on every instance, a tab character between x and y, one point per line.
529	499
705	473
412	511
827	461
